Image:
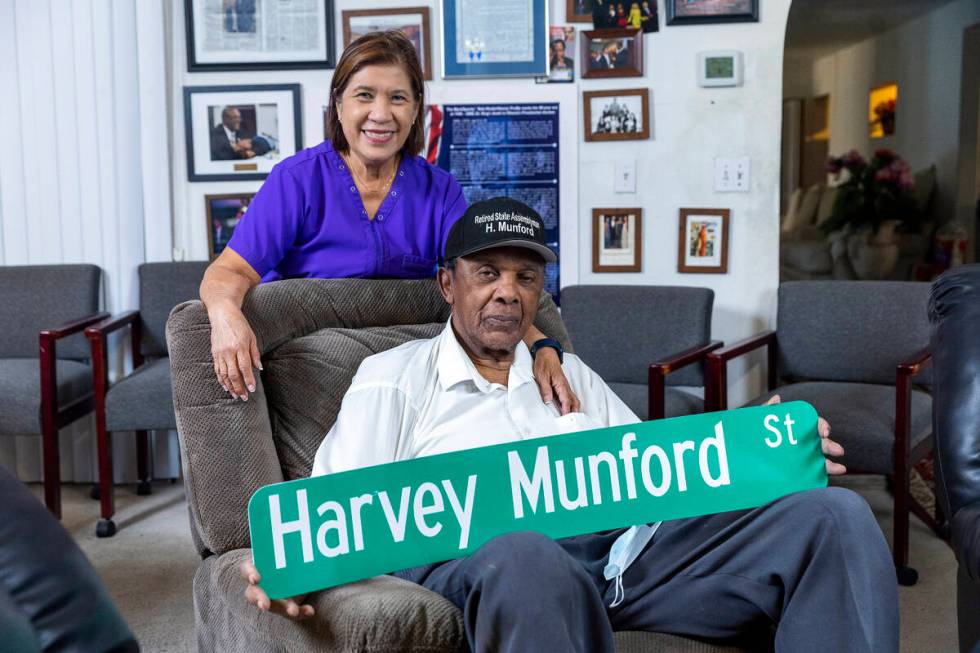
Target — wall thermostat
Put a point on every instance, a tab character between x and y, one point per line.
720	68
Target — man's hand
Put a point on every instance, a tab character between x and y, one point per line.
291	608
552	381
828	446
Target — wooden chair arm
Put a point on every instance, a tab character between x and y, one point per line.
97	334
716	383
658	371
107	326
57	333
914	364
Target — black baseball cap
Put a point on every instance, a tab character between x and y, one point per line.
498	222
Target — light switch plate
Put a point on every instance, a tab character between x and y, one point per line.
732	175
625	180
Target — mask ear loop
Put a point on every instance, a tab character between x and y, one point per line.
620	592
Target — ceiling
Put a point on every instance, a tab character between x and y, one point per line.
818	27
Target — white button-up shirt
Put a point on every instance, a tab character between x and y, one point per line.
426	397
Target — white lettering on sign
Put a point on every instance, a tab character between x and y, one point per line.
771	422
280	529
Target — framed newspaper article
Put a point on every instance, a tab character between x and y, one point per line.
238	133
254	35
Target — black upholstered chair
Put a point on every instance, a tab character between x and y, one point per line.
635	336
44	309
954	310
141	401
853	349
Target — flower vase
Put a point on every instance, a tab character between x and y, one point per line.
874	255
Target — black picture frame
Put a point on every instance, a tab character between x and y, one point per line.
749	15
193	65
241	171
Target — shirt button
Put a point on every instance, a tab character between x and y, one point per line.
340	166
394	193
401	173
353	189
380	217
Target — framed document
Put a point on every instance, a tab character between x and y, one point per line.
617	240
503	38
413	22
255	35
702	241
239	132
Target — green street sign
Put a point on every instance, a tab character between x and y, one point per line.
314	533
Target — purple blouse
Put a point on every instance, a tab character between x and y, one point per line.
308	220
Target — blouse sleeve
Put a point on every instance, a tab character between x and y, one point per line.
271	223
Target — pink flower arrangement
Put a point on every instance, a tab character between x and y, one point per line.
872	191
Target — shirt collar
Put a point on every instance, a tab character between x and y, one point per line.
455	366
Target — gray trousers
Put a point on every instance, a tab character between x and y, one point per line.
812	567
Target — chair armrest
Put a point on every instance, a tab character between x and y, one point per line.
658	371
966	538
96	335
50	335
913	365
107	326
716	385
903	405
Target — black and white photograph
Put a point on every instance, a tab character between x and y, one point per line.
224	213
240	132
692	12
616	115
413	22
254	35
616	240
561	49
612	53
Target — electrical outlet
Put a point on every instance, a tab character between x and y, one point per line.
625	180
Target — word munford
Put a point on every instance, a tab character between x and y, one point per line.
314	533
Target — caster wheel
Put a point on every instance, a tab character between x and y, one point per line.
143	488
105	528
907	576
94	493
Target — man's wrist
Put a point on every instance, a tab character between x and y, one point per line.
548	342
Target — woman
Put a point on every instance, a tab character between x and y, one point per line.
360	204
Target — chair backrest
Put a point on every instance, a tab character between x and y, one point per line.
313	334
619	330
954	311
163	286
850	331
37	297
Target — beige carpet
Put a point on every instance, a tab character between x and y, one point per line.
149	565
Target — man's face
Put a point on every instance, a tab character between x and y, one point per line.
233	119
494	295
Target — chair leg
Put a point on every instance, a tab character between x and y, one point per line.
900	538
106	527
52	465
143	463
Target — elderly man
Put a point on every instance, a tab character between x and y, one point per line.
812	565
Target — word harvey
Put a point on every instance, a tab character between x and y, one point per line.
425	507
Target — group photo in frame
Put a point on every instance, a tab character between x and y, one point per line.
616	115
240	132
476	43
617	240
612	53
693	12
413	22
252	35
702	241
632	14
224	212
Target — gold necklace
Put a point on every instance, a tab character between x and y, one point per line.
383	189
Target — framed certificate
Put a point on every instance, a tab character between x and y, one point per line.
251	35
503	38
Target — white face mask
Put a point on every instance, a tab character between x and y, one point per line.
624	551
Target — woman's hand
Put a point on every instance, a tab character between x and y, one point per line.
828	446
552	381
234	350
291	608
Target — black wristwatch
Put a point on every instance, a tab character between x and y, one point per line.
549	342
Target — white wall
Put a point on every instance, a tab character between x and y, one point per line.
83	167
924	57
690	127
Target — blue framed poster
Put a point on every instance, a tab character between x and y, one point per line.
503	38
502	150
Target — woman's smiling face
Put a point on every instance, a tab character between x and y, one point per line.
376	111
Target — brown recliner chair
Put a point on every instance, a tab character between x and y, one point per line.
312	335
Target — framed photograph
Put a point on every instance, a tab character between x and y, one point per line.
503	38
251	35
612	53
641	14
618	115
240	132
413	22
693	12
617	239
224	213
702	241
578	11
561	55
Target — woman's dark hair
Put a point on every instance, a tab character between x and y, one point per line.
378	49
